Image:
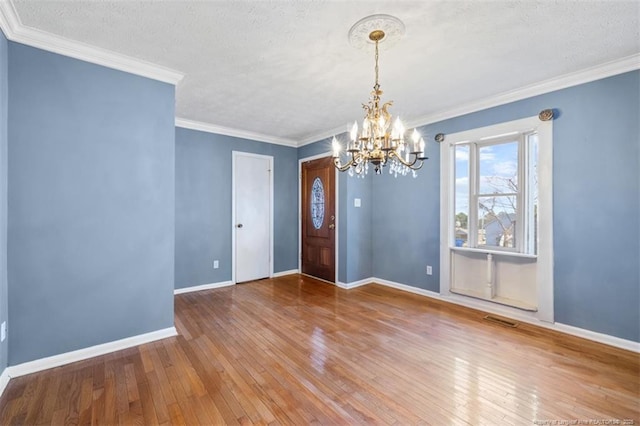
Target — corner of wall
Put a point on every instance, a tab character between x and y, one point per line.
4	306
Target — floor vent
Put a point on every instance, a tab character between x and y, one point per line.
501	321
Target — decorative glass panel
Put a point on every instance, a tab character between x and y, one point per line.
317	203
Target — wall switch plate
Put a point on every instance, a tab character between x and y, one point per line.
3	331
429	270
357	202
216	264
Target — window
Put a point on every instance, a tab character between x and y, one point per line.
496	216
496	192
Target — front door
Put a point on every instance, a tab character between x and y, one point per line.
318	219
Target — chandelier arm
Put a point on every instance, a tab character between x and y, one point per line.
342	167
419	166
409	164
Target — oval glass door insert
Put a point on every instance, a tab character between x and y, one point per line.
317	203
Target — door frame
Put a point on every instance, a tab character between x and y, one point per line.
235	155
337	209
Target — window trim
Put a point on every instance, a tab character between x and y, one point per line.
544	258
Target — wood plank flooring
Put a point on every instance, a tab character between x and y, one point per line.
294	350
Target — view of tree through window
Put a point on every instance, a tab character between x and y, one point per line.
496	193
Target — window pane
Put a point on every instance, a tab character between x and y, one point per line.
498	168
497	221
461	208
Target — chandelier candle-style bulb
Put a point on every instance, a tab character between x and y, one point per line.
365	129
336	147
379	143
416	138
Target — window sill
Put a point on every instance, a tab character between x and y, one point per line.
495	252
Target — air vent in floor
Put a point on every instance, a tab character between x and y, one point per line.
501	321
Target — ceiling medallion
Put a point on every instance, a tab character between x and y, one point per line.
392	27
379	143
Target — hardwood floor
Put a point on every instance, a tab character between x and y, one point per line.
294	350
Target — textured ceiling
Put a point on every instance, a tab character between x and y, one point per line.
286	69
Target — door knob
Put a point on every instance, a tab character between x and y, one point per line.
239	225
331	226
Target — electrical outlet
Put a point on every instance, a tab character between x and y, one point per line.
3	331
429	270
216	264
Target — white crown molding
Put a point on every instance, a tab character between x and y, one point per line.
317	137
86	353
15	31
607	69
236	133
202	287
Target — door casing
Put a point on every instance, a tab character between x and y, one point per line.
337	209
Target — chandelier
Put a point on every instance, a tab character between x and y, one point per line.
379	143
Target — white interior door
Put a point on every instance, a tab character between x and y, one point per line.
252	216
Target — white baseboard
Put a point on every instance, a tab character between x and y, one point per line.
4	380
355	284
283	273
498	310
407	288
529	318
598	337
202	287
86	353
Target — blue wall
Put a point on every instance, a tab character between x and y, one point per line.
406	215
596	205
596	195
203	205
3	195
358	226
90	204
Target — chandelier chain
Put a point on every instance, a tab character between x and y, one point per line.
377	83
